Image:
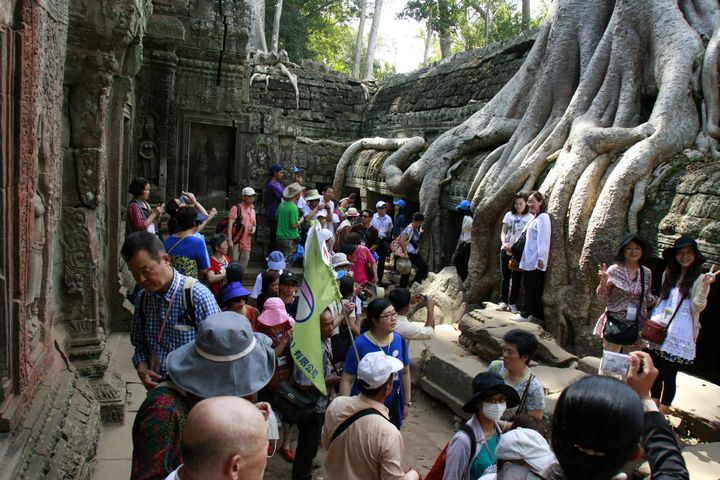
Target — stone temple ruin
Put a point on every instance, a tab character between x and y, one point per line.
95	93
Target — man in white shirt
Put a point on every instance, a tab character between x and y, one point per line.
384	224
403	300
223	438
328	200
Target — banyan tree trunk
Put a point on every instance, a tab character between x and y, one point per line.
610	91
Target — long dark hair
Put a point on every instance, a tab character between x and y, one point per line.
673	270
585	435
524	196
374	310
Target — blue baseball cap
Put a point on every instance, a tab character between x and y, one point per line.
464	205
400	202
296	169
276	167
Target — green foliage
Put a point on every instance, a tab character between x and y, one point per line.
464	22
320	31
444	15
314	29
505	22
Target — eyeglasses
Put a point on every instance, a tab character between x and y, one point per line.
389	315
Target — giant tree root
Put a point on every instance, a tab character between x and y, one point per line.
404	148
608	93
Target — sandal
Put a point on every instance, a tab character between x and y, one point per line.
288	454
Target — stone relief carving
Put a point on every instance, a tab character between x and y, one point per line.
257	161
149	152
35	271
87	164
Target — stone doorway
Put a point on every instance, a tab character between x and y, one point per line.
209	163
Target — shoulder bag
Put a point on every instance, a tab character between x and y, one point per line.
294	404
517	249
621	332
656	332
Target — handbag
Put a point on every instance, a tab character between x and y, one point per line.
619	331
514	265
396	247
341	343
656	332
518	247
294	404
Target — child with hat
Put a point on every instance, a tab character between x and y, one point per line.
234	299
277	324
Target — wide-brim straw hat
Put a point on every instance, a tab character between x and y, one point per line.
226	358
312	195
292	190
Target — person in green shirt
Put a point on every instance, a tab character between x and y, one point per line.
289	219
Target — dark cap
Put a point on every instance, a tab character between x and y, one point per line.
276	167
288	277
487	384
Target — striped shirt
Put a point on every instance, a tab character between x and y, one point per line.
147	339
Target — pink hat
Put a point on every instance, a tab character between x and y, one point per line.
274	313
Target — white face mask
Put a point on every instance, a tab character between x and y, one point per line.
273	432
493	411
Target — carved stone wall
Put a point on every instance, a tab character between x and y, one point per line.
102	58
32	68
48	417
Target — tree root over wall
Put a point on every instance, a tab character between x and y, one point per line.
610	91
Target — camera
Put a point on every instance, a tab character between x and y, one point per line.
614	365
422	298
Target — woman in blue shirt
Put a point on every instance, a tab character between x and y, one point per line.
378	334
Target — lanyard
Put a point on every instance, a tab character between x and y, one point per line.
167	314
377	344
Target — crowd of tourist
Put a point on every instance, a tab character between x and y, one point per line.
216	358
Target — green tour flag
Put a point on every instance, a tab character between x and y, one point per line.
319	289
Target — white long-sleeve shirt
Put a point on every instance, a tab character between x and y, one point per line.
413	330
537	243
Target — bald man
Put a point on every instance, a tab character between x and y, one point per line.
225	438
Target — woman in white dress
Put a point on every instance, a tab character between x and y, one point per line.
683	296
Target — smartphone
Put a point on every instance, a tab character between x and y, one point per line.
422	298
184	198
614	364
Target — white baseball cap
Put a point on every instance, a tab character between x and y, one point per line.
375	368
248	192
380	204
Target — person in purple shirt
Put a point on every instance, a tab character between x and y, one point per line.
273	196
